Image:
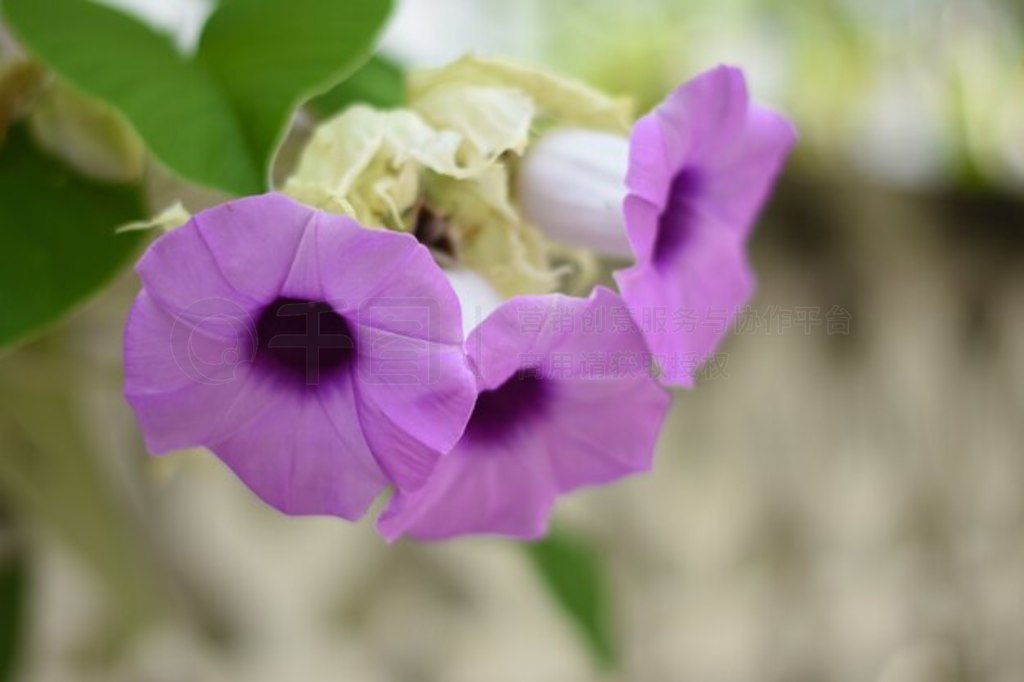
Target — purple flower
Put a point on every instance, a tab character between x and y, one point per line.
700	167
566	400
319	360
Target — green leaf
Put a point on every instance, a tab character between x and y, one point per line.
174	105
217	118
269	56
572	570
57	241
379	83
12	608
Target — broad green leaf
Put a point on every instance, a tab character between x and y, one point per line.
12	610
379	83
86	134
57	241
572	570
269	56
177	108
215	118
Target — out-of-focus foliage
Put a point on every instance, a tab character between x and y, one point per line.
215	118
13	589
574	572
57	245
52	471
922	93
20	80
87	134
379	82
269	56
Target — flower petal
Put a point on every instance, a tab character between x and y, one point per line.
503	492
180	378
302	280
701	166
196	374
608	428
415	390
301	453
388	281
685	132
685	306
703	115
609	410
518	334
568	101
650	168
738	179
411	386
182	277
583	428
642	219
253	242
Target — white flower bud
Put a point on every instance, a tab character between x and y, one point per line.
476	296
571	186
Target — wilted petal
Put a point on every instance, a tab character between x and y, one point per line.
569	101
490	120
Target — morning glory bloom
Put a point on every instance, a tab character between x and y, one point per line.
321	361
699	168
566	399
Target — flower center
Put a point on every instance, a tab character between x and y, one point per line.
675	225
501	410
432	231
307	340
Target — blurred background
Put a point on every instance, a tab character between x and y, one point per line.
839	500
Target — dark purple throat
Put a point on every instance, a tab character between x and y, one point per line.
503	410
305	342
677	221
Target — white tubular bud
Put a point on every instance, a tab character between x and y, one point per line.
476	296
571	186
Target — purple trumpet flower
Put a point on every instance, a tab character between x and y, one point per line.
697	170
319	360
700	167
566	399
